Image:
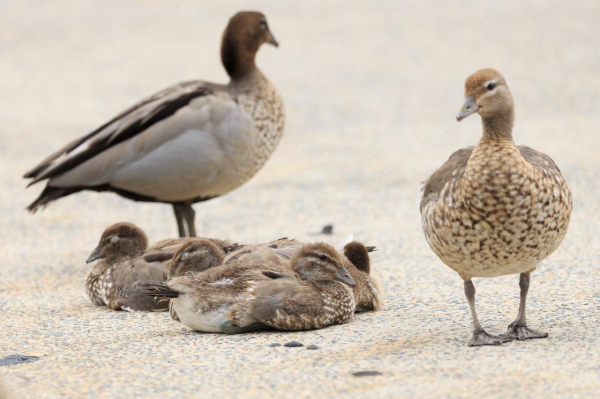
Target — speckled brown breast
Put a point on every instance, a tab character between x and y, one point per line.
98	284
500	214
262	101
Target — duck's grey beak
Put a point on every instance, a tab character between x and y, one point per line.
344	276
272	40
96	254
469	107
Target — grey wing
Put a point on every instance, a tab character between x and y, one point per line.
538	159
451	171
126	125
164	250
130	275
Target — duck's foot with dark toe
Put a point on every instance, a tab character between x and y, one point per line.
521	333
481	338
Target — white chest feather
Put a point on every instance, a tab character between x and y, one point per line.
209	321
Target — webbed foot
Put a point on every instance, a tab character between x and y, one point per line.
522	333
229	327
481	338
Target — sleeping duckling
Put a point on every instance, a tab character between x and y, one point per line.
112	281
125	261
367	292
197	255
264	292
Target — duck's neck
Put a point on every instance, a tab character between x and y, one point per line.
237	60
499	126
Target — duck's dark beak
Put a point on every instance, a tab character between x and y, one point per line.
344	276
468	108
96	254
272	40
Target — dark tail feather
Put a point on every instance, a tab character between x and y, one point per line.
158	290
371	249
50	194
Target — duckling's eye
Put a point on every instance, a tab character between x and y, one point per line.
491	86
185	255
114	239
323	257
263	23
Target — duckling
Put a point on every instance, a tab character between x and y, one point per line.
113	280
188	143
496	208
355	260
125	260
264	292
367	290
195	256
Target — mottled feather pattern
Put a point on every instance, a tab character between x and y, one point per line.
496	209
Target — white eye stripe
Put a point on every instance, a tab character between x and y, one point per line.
114	239
489	93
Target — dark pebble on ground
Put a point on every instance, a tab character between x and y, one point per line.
366	373
17	359
327	229
293	344
312	347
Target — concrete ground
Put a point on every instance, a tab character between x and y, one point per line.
371	90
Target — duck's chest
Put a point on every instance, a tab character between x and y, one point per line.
102	288
338	304
504	216
266	110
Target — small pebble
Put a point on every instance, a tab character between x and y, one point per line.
366	373
327	229
293	344
274	345
312	347
17	359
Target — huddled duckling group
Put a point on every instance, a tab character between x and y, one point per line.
213	285
490	210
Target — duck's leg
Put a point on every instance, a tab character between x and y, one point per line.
178	209
190	215
480	337
518	329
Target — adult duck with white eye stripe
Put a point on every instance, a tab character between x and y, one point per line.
496	208
188	143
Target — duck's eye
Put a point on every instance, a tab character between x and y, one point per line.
114	239
185	255
323	257
262	23
491	86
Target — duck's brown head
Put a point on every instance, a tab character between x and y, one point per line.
195	256
487	93
245	33
119	241
321	262
357	253
358	263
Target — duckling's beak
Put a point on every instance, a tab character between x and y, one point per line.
96	254
469	107
272	40
344	276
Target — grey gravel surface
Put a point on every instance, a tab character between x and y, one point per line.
371	90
